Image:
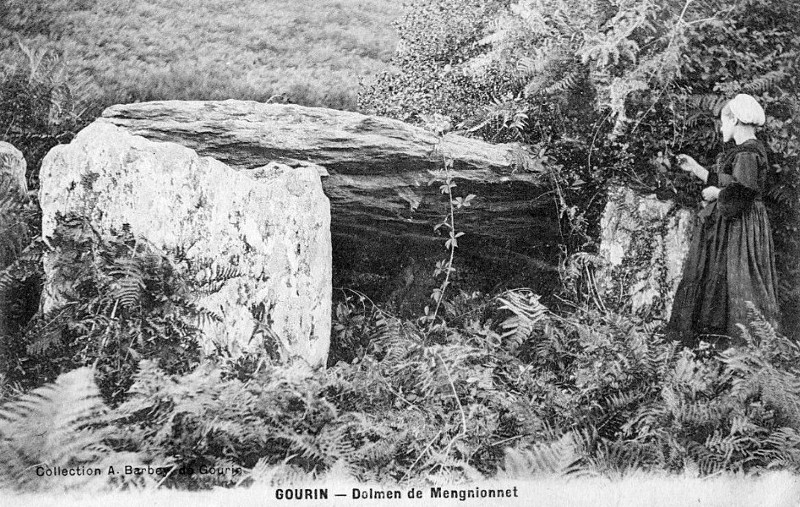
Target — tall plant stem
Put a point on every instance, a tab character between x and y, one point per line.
452	249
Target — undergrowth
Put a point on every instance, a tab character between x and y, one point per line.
508	389
110	301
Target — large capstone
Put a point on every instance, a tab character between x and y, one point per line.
271	223
383	183
644	242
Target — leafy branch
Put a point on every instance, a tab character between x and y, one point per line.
448	223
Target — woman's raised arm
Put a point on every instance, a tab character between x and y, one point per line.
688	164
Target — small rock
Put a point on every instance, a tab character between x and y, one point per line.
12	169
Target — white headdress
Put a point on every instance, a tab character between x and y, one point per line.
747	110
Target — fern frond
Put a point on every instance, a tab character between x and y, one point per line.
558	458
623	457
707	461
710	103
202	315
209	276
45	337
128	285
58	425
394	340
281	474
765	83
566	84
527	312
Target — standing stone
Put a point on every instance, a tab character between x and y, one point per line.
13	229
644	241
12	169
271	222
13	195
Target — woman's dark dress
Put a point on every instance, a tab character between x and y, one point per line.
731	258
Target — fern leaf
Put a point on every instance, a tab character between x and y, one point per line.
558	458
527	312
58	425
765	83
567	83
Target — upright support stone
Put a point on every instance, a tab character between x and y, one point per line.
644	241
272	223
12	169
13	191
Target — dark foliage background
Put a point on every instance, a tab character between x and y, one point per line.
611	92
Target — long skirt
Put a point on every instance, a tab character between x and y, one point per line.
731	262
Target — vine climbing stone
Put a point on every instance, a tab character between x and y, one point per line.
271	223
644	242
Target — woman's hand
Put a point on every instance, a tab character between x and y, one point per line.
690	165
686	163
711	193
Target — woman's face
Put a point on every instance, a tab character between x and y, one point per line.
726	127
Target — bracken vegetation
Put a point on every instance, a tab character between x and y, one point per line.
501	386
514	392
130	304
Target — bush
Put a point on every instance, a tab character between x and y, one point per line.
610	92
114	301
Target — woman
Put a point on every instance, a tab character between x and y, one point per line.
731	258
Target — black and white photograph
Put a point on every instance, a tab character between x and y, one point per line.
415	252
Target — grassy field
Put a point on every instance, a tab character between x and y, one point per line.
311	52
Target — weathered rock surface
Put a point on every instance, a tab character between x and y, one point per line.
244	134
13	189
271	222
13	201
644	241
379	172
12	169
